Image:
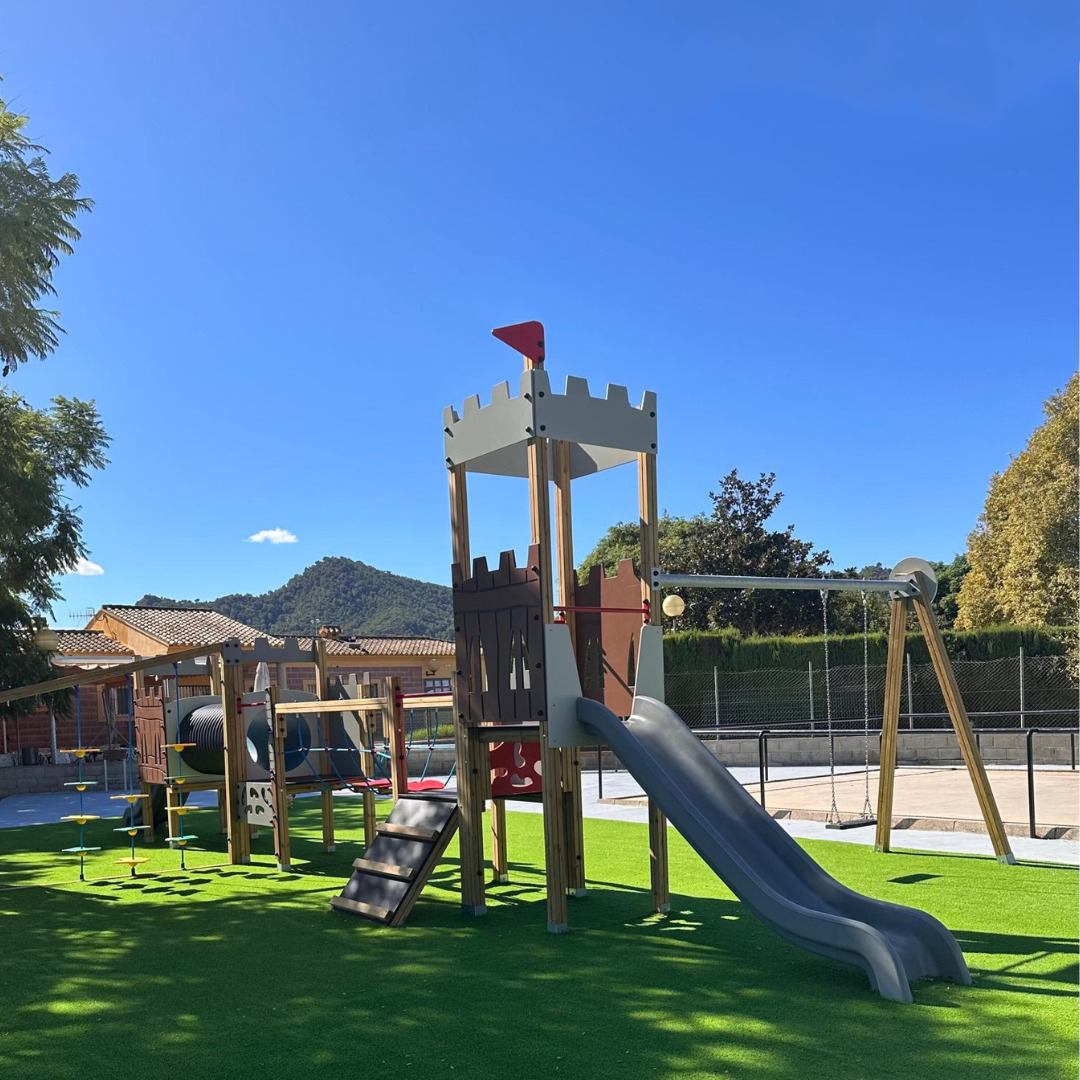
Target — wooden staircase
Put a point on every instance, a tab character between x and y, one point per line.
407	847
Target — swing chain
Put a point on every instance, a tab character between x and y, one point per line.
868	810
834	813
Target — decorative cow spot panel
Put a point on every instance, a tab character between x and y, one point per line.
515	769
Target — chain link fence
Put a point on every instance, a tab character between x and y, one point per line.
1015	692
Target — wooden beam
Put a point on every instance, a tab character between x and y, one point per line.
406	832
649	530
101	674
372	704
355	907
429	701
493	733
235	735
382	869
950	690
890	723
564	553
282	842
469	792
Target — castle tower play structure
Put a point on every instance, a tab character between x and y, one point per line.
517	674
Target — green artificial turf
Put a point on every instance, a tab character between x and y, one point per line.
245	972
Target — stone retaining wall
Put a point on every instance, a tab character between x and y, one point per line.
30	779
913	748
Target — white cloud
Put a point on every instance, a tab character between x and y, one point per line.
272	536
85	568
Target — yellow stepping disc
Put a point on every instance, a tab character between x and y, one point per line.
128	798
180	745
133	862
82	751
82	819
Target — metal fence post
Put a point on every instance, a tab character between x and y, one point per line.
1023	719
716	695
1031	784
910	693
810	684
763	762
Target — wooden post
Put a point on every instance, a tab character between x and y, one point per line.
223	815
649	525
395	724
551	757
890	723
500	866
369	817
564	549
469	792
172	818
235	758
322	689
282	844
148	813
961	724
328	840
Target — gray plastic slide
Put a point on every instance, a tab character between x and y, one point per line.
763	865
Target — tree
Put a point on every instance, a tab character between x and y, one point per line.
1023	551
737	540
950	578
37	215
40	532
733	538
41	451
623	541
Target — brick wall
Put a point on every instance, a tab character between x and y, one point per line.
33	730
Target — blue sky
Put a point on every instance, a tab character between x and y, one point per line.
837	239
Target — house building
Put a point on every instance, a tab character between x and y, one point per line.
119	633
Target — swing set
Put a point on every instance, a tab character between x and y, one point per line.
911	586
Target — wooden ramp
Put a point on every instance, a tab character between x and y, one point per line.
396	867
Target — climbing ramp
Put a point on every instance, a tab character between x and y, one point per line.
397	865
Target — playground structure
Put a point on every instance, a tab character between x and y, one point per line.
256	748
530	689
524	675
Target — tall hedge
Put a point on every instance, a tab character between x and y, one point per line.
728	651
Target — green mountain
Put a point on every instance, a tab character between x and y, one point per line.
338	592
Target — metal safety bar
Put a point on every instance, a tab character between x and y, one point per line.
764	734
905	587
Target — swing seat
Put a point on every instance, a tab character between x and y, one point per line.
426	785
853	823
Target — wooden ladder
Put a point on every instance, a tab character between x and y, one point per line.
397	865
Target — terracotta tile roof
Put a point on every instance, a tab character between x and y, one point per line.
204	626
89	643
183	626
390	646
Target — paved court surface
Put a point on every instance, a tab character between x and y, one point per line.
970	843
928	798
